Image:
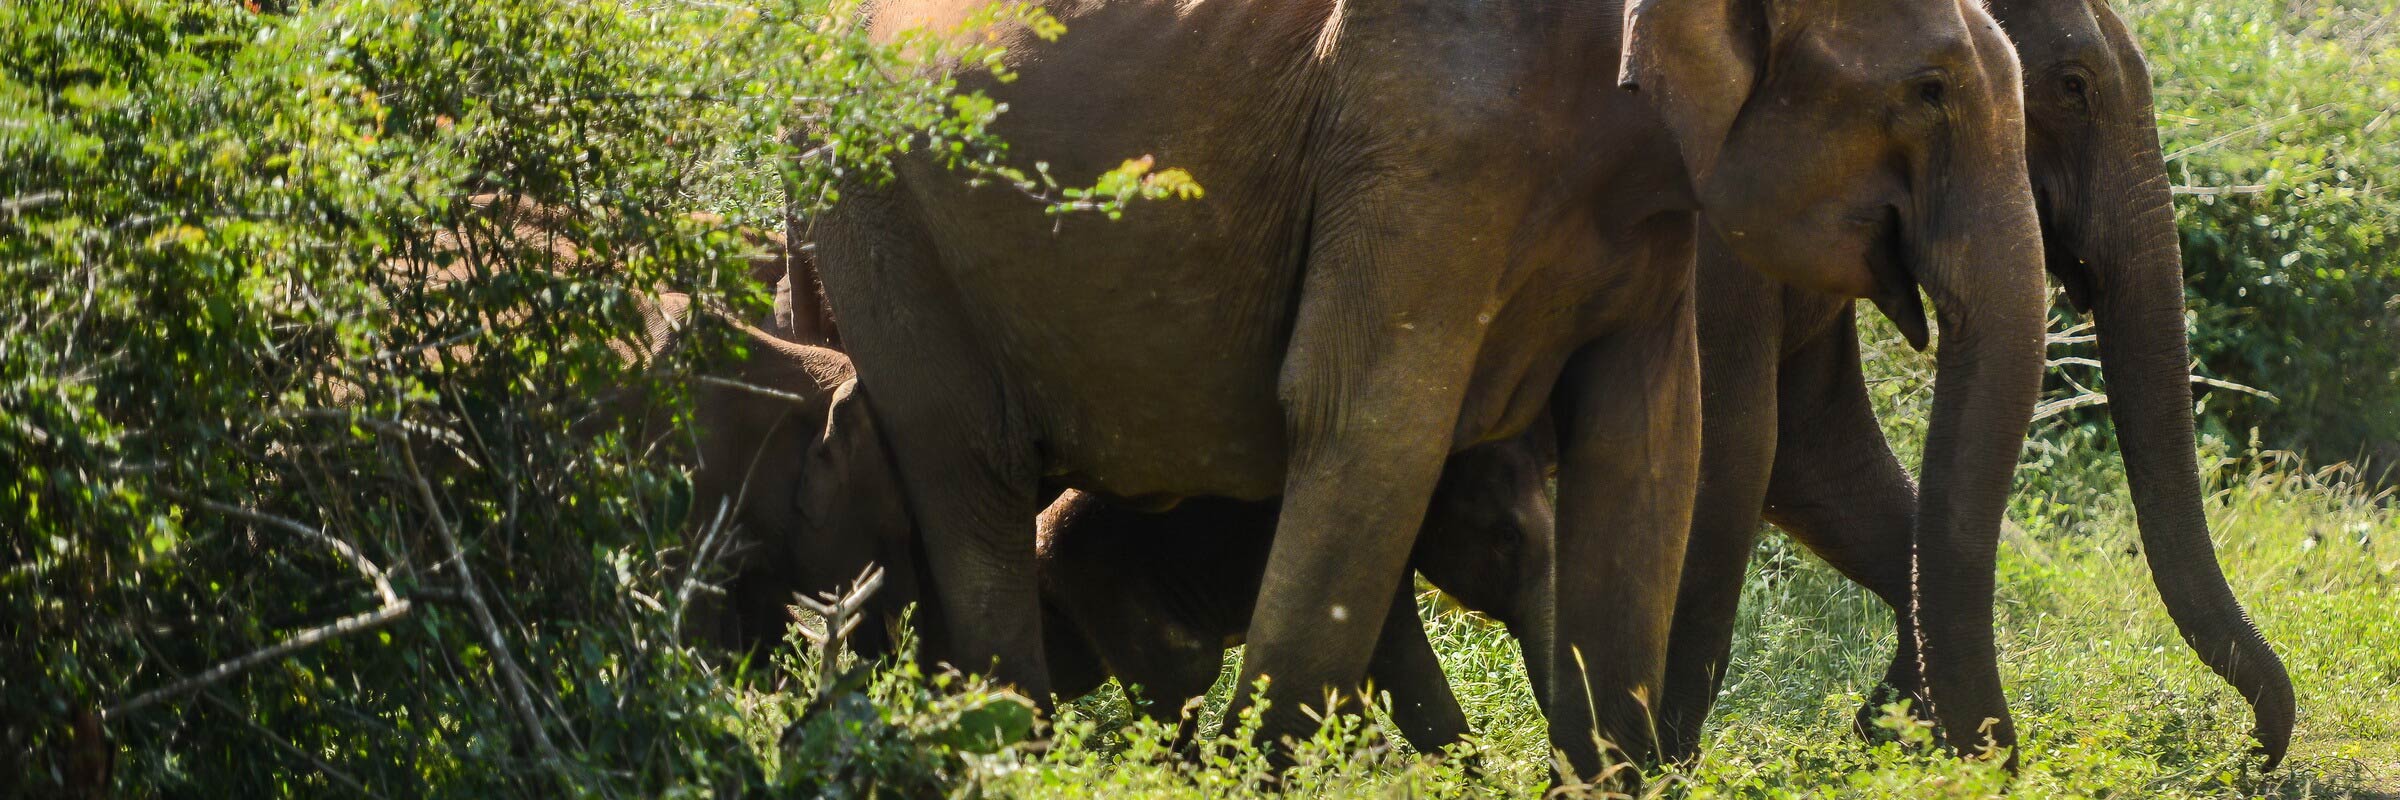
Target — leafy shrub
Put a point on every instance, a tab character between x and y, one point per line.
2279	118
285	516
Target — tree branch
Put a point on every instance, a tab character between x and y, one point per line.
298	642
373	573
511	676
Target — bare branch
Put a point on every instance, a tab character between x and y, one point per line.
2091	398
30	201
298	642
2230	385
841	616
2217	191
2064	405
373	573
702	556
751	388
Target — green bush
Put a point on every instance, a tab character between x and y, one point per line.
2281	115
284	517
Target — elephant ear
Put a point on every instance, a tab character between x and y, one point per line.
1697	61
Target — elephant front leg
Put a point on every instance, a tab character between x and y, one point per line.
1741	339
1628	413
1371	385
1354	498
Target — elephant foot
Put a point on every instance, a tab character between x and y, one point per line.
1877	721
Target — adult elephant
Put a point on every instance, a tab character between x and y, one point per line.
1427	225
1790	429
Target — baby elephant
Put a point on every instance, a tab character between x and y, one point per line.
752	420
1154	599
1150	598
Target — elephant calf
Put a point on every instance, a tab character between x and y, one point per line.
1155	598
1150	598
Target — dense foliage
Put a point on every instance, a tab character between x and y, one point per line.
2279	124
281	515
238	415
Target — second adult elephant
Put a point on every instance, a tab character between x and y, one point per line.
1790	428
1427	225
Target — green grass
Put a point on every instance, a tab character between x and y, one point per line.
2110	701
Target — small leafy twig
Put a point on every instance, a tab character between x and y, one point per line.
293	750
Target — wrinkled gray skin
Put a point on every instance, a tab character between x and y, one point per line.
1789	426
1427	225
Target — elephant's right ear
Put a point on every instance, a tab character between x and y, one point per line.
1697	62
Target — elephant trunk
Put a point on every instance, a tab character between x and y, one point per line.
2138	309
1985	280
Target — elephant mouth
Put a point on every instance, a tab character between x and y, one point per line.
2059	256
1888	260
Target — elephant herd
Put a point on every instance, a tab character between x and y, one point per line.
1450	252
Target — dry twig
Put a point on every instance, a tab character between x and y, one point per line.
841	616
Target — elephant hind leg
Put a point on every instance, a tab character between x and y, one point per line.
1405	666
1628	415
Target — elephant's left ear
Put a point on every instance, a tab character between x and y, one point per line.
1697	61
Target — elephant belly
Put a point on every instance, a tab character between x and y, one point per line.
1142	353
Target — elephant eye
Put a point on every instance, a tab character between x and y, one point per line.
1931	91
2076	92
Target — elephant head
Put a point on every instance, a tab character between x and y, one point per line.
850	500
2108	228
753	419
1872	149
